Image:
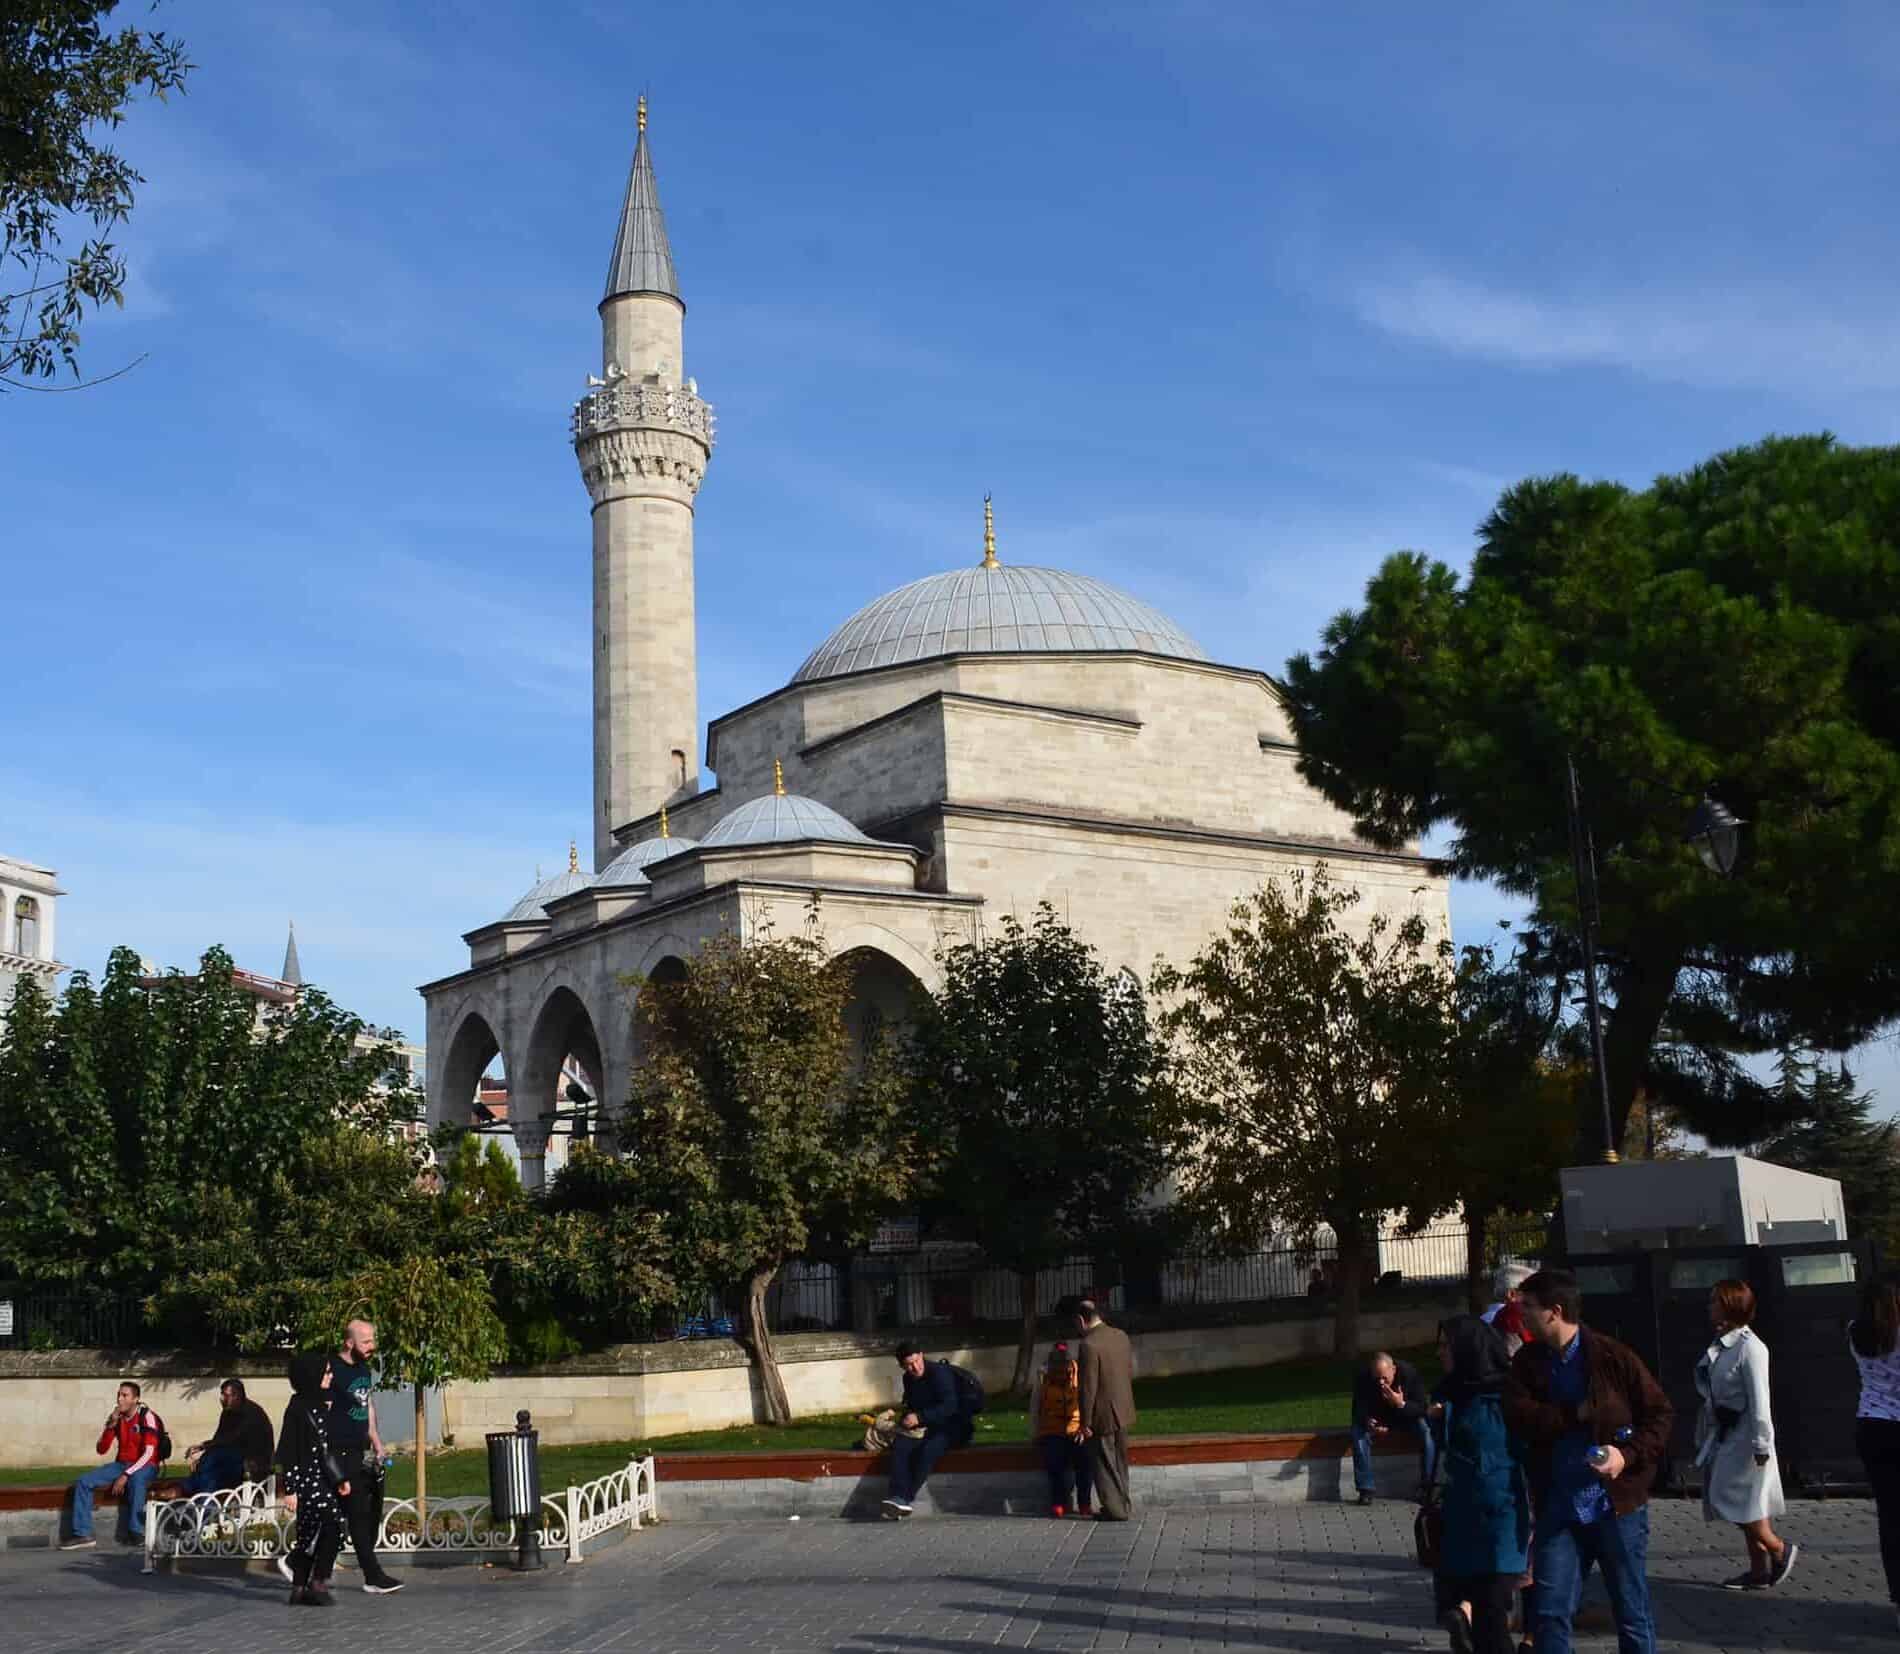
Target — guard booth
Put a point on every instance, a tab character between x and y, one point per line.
1647	1242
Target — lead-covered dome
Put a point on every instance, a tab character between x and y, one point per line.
629	868
534	904
996	610
783	818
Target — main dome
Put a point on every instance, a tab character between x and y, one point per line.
1000	610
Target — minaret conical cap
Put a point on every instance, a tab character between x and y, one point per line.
643	257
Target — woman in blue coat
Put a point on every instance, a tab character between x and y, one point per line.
1486	1500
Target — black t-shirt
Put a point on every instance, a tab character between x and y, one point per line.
350	1384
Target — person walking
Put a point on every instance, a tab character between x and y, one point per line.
1874	1337
1735	1438
1105	1374
1486	1496
312	1491
353	1434
1055	1418
1595	1428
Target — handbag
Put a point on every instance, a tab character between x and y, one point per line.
1428	1531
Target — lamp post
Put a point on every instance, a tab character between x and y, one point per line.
1716	833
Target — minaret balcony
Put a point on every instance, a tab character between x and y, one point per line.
625	404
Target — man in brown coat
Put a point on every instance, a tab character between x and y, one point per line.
1105	1364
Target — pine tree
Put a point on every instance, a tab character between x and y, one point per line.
1833	1134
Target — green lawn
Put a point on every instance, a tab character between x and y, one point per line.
1292	1395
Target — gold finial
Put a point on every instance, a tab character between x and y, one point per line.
664	833
641	112
989	536
573	857
778	778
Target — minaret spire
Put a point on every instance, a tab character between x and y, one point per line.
643	257
293	970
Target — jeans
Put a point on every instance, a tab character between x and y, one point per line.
1561	1557
1879	1444
913	1458
1362	1440
1066	1464
218	1468
104	1476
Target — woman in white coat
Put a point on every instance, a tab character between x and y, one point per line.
1735	1439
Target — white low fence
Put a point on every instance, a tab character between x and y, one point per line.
249	1523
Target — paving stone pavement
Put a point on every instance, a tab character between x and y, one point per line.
1303	1579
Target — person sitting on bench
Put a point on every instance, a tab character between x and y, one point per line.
239	1449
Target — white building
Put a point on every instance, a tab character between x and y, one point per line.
971	744
29	899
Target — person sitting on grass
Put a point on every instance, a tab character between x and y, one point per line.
1055	1420
1388	1396
131	1436
239	1449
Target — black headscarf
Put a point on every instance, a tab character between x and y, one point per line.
306	1376
1479	1359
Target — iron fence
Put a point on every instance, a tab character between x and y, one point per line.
35	1319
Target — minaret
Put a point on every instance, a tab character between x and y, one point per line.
293	970
642	436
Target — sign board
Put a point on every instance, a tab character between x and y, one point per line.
6	1317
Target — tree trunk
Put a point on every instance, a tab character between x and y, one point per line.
1644	982
422	1464
1477	1282
757	1338
1026	1346
1352	1263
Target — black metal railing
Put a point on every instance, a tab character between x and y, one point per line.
34	1318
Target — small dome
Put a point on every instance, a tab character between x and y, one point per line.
783	818
996	610
534	904
630	866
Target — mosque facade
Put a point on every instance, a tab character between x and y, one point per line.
970	745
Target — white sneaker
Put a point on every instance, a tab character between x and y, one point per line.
283	1567
895	1510
76	1544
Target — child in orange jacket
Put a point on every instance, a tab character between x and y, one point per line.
1055	1420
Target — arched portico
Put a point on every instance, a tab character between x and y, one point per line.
472	1048
562	1056
883	995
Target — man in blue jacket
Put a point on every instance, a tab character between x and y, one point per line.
934	1406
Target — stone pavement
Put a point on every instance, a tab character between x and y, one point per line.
1303	1579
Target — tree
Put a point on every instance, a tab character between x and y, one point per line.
1835	1135
63	78
1509	1110
1039	1069
1735	628
170	1087
1312	1064
753	1131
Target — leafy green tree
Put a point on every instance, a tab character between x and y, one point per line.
64	79
754	1132
1313	1062
1735	628
1834	1134
1039	1068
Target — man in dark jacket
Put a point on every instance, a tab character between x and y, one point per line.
239	1449
1105	1379
1389	1397
935	1419
1595	1425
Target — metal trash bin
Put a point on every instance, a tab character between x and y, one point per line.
514	1486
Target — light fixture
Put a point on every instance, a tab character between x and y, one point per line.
1716	832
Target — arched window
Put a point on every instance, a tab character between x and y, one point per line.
26	927
679	769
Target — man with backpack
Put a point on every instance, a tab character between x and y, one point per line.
135	1436
940	1407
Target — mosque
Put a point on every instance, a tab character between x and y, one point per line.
969	745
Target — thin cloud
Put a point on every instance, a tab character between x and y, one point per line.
1759	337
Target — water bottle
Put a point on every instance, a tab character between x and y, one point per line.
1599	1456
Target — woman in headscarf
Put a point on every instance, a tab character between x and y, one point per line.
309	1494
1486	1500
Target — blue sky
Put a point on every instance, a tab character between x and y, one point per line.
1223	302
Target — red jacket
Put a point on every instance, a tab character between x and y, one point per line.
137	1438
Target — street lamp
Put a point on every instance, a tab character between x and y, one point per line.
1716	833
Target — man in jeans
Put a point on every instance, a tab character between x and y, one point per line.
934	1407
1596	1426
131	1435
354	1438
1388	1397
